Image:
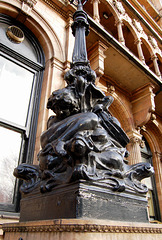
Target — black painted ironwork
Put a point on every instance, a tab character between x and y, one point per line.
83	140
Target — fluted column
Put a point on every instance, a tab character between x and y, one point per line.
138	42
134	147
96	15
120	32
154	59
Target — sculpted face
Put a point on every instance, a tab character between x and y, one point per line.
63	102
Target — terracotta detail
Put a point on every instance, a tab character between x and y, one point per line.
137	25
119	7
153	42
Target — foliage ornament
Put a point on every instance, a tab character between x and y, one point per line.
119	7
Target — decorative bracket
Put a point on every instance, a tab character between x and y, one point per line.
143	105
96	57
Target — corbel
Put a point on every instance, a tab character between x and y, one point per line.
143	104
96	57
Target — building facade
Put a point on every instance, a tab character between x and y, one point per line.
124	48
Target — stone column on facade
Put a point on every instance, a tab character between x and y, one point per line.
134	147
154	59
96	15
120	31
138	42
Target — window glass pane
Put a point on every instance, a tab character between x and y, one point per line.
10	143
150	205
15	89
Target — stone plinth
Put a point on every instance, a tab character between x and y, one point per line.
86	201
77	229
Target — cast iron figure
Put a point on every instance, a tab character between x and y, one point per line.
83	140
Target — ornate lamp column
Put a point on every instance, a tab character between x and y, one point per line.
80	29
83	150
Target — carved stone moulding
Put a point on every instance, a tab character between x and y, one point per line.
79	229
70	226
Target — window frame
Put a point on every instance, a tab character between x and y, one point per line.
28	132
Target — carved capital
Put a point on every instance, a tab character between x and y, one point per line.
118	22
143	105
154	57
137	41
135	136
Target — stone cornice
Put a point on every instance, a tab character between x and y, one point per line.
147	16
98	228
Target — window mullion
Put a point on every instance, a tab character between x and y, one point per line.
12	126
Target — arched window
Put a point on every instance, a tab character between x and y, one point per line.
153	204
21	72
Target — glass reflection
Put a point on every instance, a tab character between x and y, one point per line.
10	142
15	89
